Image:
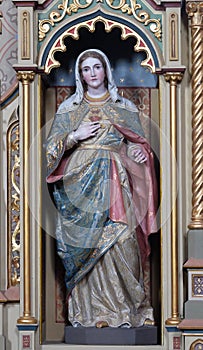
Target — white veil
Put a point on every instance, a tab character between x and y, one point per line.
73	101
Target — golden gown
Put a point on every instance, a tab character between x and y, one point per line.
101	200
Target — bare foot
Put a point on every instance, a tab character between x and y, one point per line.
101	324
149	322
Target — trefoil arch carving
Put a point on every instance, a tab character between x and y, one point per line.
50	62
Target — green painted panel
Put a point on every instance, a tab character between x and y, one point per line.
134	11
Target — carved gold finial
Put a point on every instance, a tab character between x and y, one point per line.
195	13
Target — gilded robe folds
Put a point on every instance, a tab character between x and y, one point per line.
103	197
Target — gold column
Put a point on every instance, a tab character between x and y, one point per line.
195	13
174	78
26	77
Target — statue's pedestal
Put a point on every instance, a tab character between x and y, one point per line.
146	335
2	342
194	266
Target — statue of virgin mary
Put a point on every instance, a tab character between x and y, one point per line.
101	167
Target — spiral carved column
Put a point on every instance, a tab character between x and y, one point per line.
194	265
195	13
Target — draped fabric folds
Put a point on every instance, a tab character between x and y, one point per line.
103	197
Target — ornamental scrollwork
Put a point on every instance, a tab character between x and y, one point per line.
14	205
133	9
140	15
56	16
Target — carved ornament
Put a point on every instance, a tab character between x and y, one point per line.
195	12
14	205
25	77
197	345
68	8
173	77
197	285
109	25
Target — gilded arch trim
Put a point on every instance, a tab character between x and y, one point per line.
73	31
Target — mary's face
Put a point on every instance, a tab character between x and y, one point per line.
93	72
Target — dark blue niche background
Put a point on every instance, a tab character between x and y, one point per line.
125	62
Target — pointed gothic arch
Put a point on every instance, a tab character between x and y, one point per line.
53	44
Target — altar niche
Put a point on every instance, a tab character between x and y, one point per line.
139	85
